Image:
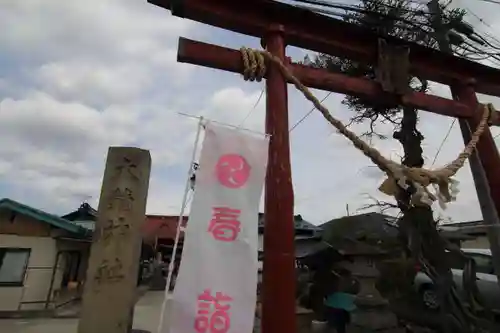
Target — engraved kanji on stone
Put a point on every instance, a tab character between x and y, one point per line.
128	166
109	271
121	199
113	227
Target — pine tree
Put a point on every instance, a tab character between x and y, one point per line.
418	232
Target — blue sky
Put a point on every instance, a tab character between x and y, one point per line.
76	78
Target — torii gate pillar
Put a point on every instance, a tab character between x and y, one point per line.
486	147
278	293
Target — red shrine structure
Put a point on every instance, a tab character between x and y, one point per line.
278	25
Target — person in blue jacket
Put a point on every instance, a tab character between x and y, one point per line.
340	302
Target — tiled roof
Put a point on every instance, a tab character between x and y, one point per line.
161	226
374	228
370	225
84	213
300	223
165	226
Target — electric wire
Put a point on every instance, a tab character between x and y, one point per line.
492	1
252	109
482	21
308	114
356	9
474	53
340	5
419	20
444	141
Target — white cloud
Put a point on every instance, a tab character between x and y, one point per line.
94	83
58	149
82	78
76	78
234	106
44	122
92	29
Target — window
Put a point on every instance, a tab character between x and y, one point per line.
456	261
13	265
484	264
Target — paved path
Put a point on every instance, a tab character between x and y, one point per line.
146	317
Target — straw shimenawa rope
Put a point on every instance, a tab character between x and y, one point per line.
254	64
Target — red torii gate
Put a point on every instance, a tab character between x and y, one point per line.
280	24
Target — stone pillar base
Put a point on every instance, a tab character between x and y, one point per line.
158	282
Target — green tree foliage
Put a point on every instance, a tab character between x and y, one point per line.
397	18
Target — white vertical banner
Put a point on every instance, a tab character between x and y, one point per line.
215	289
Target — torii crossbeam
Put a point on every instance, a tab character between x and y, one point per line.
279	24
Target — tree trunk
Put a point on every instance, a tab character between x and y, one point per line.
419	234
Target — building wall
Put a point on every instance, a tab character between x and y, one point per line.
33	294
480	242
16	224
19	231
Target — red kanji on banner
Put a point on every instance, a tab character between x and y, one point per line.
213	316
232	170
225	224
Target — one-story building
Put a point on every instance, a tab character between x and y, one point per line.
41	256
160	232
476	230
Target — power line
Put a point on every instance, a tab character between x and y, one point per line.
407	20
477	17
360	10
252	109
345	6
308	114
483	22
492	1
403	21
444	140
480	19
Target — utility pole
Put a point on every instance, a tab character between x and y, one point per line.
488	209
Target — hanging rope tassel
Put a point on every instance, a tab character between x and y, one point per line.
446	188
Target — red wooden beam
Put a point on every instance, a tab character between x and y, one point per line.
213	56
320	33
486	146
278	278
